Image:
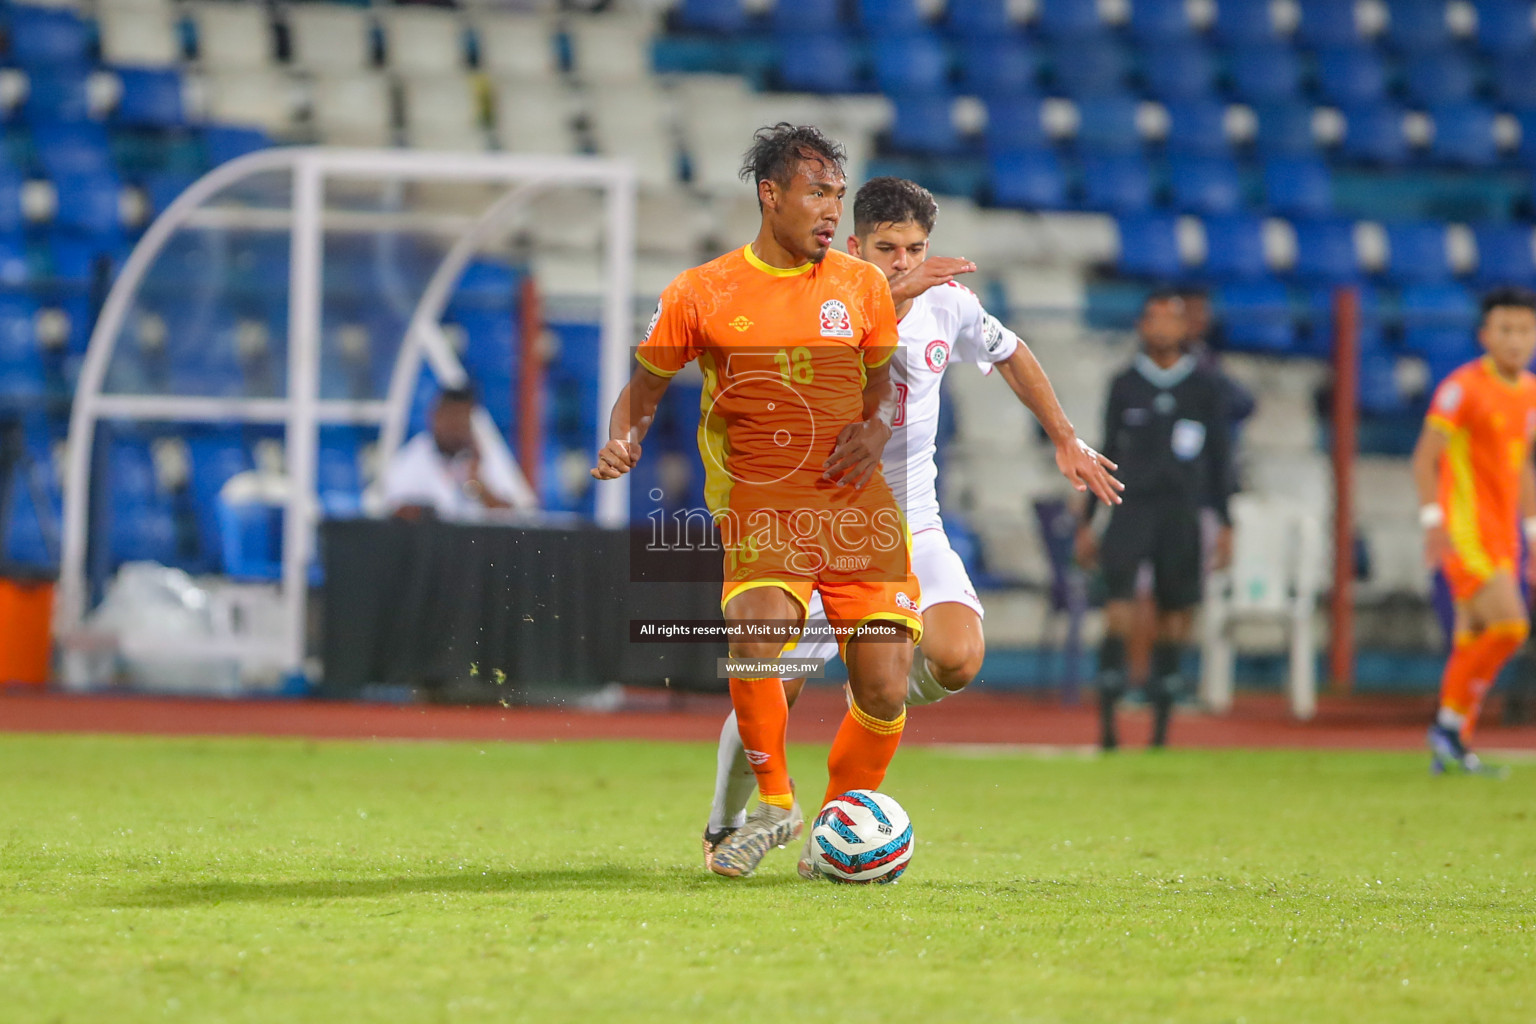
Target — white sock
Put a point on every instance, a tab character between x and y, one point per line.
1448	719
735	781
922	688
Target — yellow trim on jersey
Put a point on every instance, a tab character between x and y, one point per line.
1512	628
658	371
1440	423
1461	510
714	444
874	366
757	262
784	585
901	618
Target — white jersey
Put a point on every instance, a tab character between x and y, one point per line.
944	324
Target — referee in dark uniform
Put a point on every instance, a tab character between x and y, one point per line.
1166	425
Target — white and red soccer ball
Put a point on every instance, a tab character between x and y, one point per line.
861	836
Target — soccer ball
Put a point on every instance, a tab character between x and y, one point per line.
862	836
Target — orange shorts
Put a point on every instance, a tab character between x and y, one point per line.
1465	581
863	570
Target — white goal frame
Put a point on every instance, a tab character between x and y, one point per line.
302	411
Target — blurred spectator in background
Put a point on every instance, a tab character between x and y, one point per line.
444	472
1167	426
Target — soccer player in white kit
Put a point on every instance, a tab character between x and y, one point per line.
940	322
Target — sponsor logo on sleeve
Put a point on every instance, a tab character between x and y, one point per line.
651	327
992	334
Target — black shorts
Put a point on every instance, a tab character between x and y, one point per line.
1165	534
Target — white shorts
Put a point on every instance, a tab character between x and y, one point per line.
941	577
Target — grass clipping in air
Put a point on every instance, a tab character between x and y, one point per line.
249	880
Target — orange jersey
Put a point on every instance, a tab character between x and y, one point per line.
784	354
1488	423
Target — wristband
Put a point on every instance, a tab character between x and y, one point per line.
1431	516
1528	524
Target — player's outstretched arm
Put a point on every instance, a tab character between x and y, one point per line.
1084	468
627	424
1426	479
930	273
856	455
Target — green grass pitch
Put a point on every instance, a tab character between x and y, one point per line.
255	880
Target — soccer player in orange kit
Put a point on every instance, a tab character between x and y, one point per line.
795	341
1477	491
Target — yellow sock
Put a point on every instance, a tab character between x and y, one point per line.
783	800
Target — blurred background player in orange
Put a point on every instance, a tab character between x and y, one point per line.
1477	490
795	342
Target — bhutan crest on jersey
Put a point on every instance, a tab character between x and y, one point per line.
835	322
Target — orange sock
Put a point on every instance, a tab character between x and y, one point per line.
862	751
762	717
1474	666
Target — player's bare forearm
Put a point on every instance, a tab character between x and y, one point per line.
1425	464
1527	490
1084	468
628	423
856	455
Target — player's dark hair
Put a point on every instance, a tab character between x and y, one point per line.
893	201
1507	298
778	151
1161	295
457	396
1191	292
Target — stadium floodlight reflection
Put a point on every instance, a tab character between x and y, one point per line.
306	172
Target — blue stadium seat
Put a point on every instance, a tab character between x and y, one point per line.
47	39
924	124
998	66
1504	255
215	456
74	258
1504	26
1284	129
818	63
57	96
251	536
1117	183
1416	252
1438	77
1014	125
22	374
1319	301
338	472
1030	178
1327	23
1375	134
1244	22
1264	74
980	19
1091	65
1159	22
88	203
1438	307
1255	316
15	269
1351	76
1068	19
1464	135
1197	126
1107	123
1513	83
1179	70
1325	250
727	16
1379	394
910	62
890	15
1205	184
1234	248
31	536
1149	246
68	149
223	143
151	99
1527	121
804	16
1298	187
1417	25
12	218
140	524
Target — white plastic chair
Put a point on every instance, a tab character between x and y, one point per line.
139	37
353	110
423	40
1274	577
329	39
232	37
